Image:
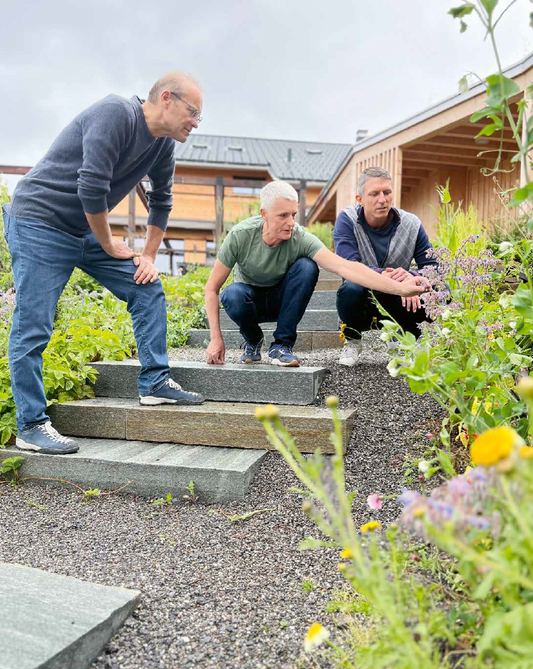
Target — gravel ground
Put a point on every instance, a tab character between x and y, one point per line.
216	593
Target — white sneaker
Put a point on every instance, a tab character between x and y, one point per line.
350	352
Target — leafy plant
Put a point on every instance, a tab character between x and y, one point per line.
324	231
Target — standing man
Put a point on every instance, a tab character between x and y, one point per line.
387	240
276	271
58	220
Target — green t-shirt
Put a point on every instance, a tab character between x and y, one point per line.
258	264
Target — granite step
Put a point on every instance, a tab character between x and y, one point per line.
51	621
323	299
307	340
225	383
227	424
155	469
328	284
313	319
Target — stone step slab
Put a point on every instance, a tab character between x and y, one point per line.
307	340
226	424
225	383
155	469
50	621
313	319
328	284
323	299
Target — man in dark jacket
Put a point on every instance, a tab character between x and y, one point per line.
387	240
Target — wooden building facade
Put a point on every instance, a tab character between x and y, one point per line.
428	149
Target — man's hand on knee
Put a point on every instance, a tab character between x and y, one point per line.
216	353
146	271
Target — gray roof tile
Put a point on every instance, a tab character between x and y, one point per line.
314	161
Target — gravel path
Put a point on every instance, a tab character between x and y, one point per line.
216	593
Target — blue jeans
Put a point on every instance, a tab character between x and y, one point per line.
43	259
357	309
285	303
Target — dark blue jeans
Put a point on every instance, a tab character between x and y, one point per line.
284	303
357	310
43	259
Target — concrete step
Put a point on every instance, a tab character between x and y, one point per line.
307	340
323	299
211	424
50	621
323	274
154	469
313	319
328	284
225	383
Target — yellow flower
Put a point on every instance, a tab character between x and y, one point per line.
526	452
266	412
316	635
419	512
346	554
372	525
342	566
494	445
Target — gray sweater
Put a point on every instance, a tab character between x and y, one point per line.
93	164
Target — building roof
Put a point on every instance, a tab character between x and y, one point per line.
283	159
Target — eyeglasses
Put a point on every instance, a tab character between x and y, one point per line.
196	114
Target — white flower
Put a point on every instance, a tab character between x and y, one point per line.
512	325
393	368
385	336
316	635
423	466
446	332
446	314
504	301
505	246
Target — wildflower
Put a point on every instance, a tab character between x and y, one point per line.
493	445
446	314
420	477
374	502
423	466
332	401
419	512
370	526
342	567
347	554
267	412
393	369
415	558
526	452
525	388
429	435
342	335
446	332
504	247
316	635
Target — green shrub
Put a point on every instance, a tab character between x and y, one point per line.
324	231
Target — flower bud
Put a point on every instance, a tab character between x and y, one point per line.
525	388
332	401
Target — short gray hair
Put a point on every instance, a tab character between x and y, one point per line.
172	81
371	173
275	189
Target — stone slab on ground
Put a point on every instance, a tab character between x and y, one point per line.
226	383
151	469
307	340
211	424
51	621
313	319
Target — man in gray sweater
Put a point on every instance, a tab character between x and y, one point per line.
58	220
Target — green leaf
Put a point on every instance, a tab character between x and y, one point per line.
446	463
463	10
463	81
484	113
464	26
489	5
488	130
500	89
522	194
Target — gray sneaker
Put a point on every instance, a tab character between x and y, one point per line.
46	439
171	392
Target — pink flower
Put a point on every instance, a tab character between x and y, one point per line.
374	502
429	435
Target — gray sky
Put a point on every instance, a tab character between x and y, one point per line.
292	69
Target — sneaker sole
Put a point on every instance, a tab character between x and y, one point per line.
345	363
26	446
275	361
251	362
154	401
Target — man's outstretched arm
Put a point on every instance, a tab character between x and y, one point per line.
216	351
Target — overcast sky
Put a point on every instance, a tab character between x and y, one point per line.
291	69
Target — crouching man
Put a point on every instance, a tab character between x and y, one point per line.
276	271
387	240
